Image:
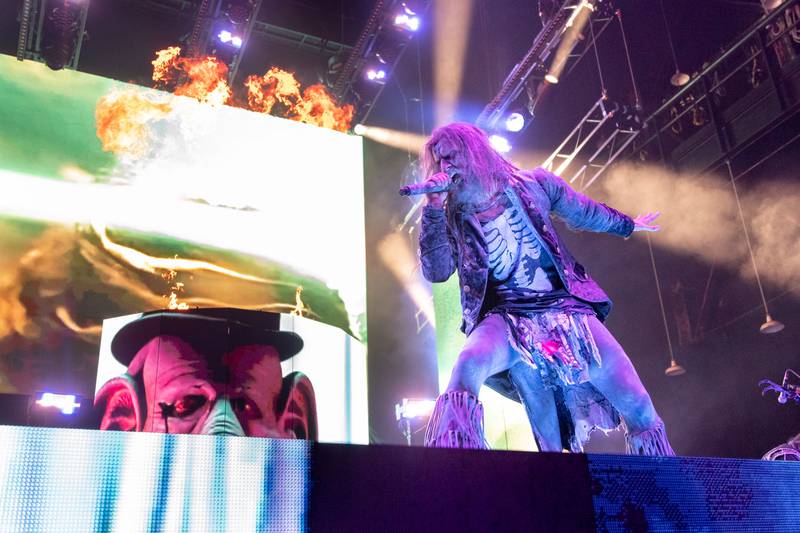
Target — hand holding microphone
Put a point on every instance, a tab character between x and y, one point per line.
435	187
439	182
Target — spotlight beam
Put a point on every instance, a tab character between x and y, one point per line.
403	140
451	34
543	45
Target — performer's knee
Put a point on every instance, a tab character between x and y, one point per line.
470	371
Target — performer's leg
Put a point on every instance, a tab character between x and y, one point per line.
486	352
540	406
617	380
458	416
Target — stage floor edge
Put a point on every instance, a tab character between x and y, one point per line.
84	480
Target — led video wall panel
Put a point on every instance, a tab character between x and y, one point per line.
77	480
119	199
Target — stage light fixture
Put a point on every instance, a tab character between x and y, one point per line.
226	37
551	78
771	325
500	143
359	129
406	19
60	33
376	74
67	404
238	11
412	409
515	122
674	369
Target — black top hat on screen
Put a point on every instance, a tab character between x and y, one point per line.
212	331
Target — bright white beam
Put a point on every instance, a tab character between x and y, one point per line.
451	33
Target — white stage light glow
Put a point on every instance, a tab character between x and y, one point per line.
515	122
500	143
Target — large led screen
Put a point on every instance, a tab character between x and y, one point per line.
63	480
117	199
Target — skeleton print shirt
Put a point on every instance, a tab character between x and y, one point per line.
522	276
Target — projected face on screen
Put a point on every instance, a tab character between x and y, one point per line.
195	373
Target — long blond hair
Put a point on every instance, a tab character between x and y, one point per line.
479	160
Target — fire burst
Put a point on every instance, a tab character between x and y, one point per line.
123	118
123	121
312	106
204	78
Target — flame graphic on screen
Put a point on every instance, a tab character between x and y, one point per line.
300	306
124	117
123	120
175	288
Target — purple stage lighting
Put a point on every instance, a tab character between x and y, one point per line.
66	403
226	37
407	19
377	75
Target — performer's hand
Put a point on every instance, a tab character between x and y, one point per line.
436	199
644	222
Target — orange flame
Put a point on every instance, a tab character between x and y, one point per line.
203	78
176	287
123	118
276	86
123	121
314	106
166	64
300	306
317	107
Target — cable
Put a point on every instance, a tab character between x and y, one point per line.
660	299
636	96
747	236
669	34
597	57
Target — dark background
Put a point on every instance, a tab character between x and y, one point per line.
715	409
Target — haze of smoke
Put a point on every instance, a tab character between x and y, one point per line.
775	231
699	217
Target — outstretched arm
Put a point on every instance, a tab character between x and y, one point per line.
581	212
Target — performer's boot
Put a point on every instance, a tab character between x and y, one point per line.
652	441
456	422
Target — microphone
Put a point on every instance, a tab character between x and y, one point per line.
429	185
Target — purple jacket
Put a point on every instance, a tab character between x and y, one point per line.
540	193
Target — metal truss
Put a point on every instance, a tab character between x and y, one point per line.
38	17
203	34
533	64
273	34
379	39
599	138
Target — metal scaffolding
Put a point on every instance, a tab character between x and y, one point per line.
52	31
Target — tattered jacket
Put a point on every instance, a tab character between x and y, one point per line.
450	239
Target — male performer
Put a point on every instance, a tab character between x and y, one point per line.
532	315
